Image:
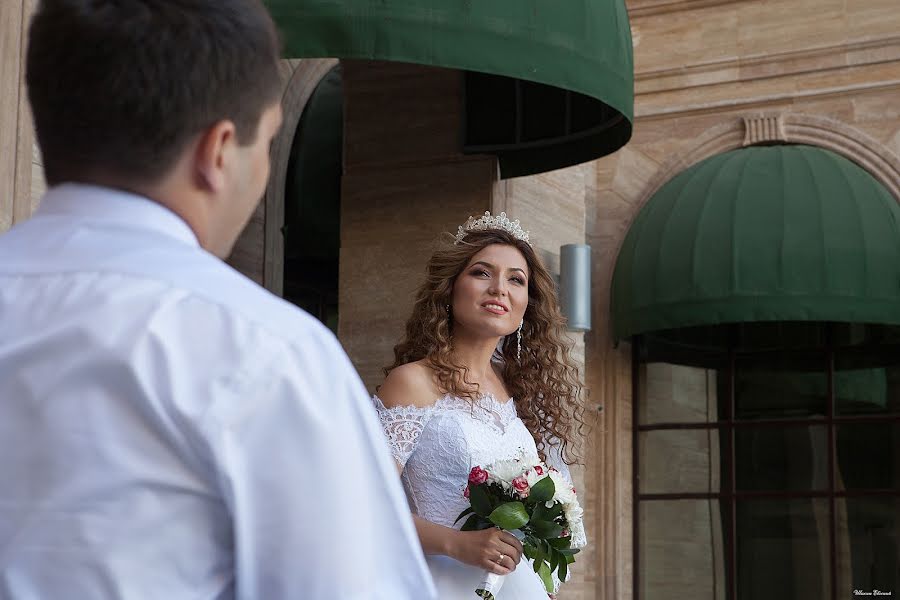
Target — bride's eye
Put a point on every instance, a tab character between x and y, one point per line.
480	273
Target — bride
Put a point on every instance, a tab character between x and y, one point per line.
482	374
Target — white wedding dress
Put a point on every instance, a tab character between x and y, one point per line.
437	446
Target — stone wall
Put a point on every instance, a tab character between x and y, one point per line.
405	182
823	72
21	174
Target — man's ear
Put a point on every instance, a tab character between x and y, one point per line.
212	155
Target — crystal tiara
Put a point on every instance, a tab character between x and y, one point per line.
501	221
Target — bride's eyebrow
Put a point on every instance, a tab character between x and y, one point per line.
483	264
494	268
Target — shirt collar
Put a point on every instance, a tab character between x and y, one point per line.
95	203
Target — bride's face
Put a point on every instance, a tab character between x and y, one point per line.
491	293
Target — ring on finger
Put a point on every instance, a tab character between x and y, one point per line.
500	560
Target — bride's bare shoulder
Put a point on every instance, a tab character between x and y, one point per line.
411	384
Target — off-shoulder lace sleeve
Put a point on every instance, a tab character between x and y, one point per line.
402	426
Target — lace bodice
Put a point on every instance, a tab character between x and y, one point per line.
438	445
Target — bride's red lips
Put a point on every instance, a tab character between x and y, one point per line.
497	303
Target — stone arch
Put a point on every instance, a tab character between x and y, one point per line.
788	128
738	132
302	77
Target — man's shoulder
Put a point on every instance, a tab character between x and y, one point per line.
58	246
213	282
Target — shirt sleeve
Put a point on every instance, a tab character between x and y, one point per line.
402	426
317	506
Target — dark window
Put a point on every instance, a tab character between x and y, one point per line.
767	462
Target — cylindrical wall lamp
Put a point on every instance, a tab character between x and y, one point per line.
575	285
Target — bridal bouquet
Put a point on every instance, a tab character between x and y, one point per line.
533	502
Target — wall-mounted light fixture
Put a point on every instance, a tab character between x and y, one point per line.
575	286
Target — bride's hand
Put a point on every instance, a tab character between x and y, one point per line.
491	549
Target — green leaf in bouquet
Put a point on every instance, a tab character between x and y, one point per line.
539	556
546	529
544	573
542	491
468	511
563	570
570	551
480	501
554	556
510	515
551	553
531	547
539	513
555	511
560	542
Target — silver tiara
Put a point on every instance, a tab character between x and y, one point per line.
501	221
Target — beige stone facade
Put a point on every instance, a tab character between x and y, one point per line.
710	75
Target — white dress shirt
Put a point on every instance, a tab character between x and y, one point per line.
171	431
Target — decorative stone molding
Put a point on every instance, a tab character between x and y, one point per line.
763	128
302	77
647	8
789	128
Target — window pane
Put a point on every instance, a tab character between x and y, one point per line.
681	550
680	460
783	549
867	391
868	456
773	393
867	548
677	394
782	458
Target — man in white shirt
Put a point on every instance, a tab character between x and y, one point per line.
168	429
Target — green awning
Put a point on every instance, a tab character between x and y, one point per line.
767	233
549	84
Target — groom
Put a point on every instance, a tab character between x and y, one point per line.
169	430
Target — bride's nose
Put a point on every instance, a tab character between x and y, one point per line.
497	288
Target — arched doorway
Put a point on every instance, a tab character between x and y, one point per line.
312	204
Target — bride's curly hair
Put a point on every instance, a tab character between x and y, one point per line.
545	383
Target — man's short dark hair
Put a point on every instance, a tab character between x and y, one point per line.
119	87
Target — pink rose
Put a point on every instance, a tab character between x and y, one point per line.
538	469
521	486
565	533
477	476
466	492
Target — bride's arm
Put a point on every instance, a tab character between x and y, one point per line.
477	548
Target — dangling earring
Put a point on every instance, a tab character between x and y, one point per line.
447	308
519	342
